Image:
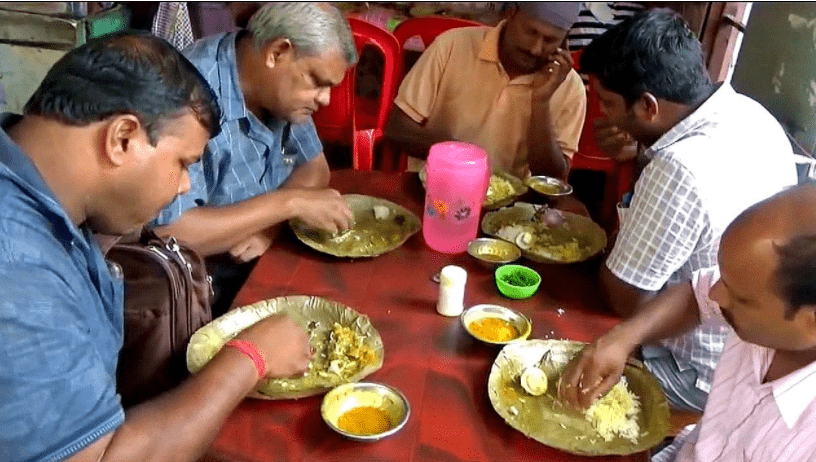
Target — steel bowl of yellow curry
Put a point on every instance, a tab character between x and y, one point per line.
365	411
496	324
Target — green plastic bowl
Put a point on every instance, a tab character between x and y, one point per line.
518	273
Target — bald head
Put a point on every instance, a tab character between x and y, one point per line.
777	238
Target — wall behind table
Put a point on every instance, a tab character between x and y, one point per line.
777	65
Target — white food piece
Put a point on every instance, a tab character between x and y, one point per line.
534	381
525	240
381	212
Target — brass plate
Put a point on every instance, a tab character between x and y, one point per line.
498	196
371	236
545	420
590	237
316	315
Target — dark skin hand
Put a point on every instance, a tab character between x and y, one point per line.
618	144
544	155
594	371
624	299
410	136
224	381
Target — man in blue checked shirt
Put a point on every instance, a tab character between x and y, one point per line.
267	165
104	144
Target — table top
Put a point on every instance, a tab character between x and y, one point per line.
430	358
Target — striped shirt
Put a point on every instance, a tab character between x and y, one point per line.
247	158
726	156
745	419
595	18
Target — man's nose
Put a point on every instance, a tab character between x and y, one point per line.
538	48
184	183
323	96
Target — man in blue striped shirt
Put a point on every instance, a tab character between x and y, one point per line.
267	165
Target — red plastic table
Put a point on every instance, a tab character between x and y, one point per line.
441	370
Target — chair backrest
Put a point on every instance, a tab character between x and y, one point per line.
587	146
337	121
367	34
427	28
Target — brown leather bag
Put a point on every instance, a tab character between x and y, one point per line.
167	298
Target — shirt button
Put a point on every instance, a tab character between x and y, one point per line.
289	161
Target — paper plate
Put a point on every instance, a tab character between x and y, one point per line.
315	314
379	227
503	189
545	420
578	239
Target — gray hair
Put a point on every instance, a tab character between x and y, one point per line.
311	27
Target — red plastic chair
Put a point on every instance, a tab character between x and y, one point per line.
427	29
619	175
349	119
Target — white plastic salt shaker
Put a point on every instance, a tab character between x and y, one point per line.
451	291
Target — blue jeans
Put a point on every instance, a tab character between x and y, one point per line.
680	386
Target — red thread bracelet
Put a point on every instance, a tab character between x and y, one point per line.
249	349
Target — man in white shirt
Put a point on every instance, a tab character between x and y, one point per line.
712	153
762	405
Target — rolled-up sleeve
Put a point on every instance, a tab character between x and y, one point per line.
702	281
663	226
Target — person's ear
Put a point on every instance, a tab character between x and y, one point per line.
122	134
647	108
275	50
806	315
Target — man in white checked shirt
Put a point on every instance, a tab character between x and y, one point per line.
712	154
762	405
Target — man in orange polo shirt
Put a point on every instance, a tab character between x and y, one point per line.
509	89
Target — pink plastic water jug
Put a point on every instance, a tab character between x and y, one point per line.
457	180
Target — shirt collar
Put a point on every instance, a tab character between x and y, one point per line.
705	114
795	392
23	172
490	44
229	93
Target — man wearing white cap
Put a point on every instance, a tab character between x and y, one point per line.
509	89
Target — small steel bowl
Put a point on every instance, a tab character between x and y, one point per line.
548	186
346	397
493	252
521	322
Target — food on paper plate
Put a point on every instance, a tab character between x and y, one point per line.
499	188
347	353
381	212
616	413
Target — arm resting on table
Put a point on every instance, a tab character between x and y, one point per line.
212	230
411	136
314	174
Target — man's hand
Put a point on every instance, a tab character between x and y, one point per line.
283	344
254	246
547	80
325	209
614	141
595	370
